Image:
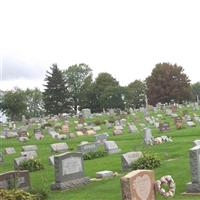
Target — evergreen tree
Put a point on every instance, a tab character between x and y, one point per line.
56	95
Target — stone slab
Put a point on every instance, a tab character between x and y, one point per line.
138	185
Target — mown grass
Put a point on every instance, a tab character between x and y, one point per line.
174	161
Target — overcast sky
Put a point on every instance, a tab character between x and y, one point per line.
123	37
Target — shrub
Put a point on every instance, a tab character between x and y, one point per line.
146	162
16	194
46	125
98	122
112	120
40	194
31	165
93	155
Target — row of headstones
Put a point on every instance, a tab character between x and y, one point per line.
69	168
69	171
30	151
22	134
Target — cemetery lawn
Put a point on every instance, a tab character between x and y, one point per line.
174	161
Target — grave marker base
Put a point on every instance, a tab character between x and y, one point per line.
193	187
70	184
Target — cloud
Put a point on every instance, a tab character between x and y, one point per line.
14	69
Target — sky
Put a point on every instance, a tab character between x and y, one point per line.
125	38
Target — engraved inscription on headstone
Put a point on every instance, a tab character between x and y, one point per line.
71	165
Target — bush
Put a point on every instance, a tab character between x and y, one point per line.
46	125
40	194
98	122
146	162
58	126
16	194
31	165
112	120
93	155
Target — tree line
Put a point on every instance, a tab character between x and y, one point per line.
72	89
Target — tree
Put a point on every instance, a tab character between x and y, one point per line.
35	103
56	96
112	98
167	82
101	84
87	94
195	91
13	104
135	94
75	77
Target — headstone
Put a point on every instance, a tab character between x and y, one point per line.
38	134
123	122
22	132
190	124
9	150
29	148
91	132
138	185
128	159
15	179
69	171
132	128
65	128
118	127
86	113
29	154
104	174
178	123
79	133
108	125
117	132
61	136
72	135
111	147
18	161
194	186
101	138
164	126
59	147
23	139
86	148
97	128
148	138
53	134
196	143
11	134
81	119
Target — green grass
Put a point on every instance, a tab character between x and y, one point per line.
174	161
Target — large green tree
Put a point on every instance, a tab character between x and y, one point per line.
112	97
13	104
105	88
87	94
76	77
35	103
168	82
135	94
56	96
